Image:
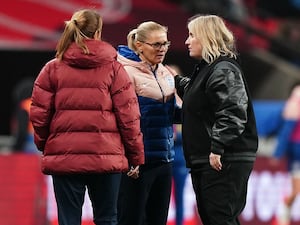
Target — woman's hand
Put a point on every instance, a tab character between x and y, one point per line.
215	161
134	172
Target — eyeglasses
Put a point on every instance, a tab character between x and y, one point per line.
158	45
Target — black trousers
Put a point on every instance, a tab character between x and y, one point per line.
221	195
145	201
103	191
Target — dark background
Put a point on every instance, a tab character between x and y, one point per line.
265	33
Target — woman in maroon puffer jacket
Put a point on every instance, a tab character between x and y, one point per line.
86	121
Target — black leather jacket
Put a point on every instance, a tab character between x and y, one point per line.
217	113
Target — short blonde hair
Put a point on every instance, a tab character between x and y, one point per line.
142	32
216	39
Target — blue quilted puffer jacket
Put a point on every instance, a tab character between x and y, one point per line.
156	95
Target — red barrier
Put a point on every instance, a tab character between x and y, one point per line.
24	199
22	190
269	184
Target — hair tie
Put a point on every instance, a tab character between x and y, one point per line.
133	36
75	22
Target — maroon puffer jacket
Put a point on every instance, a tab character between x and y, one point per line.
85	113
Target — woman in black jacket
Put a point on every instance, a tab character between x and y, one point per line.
219	129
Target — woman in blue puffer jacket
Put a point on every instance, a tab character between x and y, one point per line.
149	196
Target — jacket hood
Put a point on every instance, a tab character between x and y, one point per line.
100	53
127	57
128	53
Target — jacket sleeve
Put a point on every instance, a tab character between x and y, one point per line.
177	114
42	107
181	83
229	98
127	112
